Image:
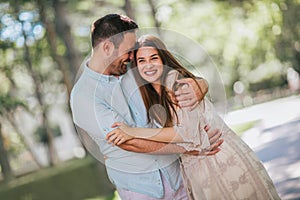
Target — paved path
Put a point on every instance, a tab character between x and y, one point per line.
276	140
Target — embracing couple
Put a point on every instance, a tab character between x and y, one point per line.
159	136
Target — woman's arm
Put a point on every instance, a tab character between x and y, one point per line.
153	147
168	135
124	133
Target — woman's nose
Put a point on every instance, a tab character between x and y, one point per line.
148	65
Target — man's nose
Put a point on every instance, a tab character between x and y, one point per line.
130	55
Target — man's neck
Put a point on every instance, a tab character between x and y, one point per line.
96	65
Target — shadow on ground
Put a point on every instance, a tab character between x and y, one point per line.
280	154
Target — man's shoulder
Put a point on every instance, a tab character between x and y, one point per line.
82	90
128	76
128	80
77	88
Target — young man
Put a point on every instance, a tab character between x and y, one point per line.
104	95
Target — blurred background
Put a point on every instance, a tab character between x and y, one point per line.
255	45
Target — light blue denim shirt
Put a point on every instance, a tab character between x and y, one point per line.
97	101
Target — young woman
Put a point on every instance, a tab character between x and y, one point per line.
233	173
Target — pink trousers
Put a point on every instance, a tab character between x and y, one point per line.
169	194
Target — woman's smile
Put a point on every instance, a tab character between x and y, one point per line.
149	64
150	72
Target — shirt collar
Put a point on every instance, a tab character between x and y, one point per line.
100	77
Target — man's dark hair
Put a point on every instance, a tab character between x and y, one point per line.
111	25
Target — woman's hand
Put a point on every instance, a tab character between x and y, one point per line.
120	134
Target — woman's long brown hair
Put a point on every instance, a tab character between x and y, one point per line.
148	93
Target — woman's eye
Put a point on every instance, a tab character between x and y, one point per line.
140	61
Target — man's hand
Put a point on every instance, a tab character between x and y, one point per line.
215	141
191	92
213	135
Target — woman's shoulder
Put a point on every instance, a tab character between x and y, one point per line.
173	72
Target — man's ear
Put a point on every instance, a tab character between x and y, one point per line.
108	47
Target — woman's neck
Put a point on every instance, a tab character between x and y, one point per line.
157	87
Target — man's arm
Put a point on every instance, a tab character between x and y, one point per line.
191	93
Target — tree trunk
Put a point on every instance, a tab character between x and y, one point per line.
23	138
128	9
51	38
10	116
38	93
53	157
4	161
64	32
153	11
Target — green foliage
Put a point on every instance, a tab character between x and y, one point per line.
76	180
8	103
239	129
238	35
15	145
288	43
271	83
41	134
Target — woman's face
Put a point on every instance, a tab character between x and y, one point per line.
149	64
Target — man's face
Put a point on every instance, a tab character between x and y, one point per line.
122	55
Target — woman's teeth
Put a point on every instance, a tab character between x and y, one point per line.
150	72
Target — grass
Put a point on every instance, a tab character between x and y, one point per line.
115	197
239	129
77	179
47	172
